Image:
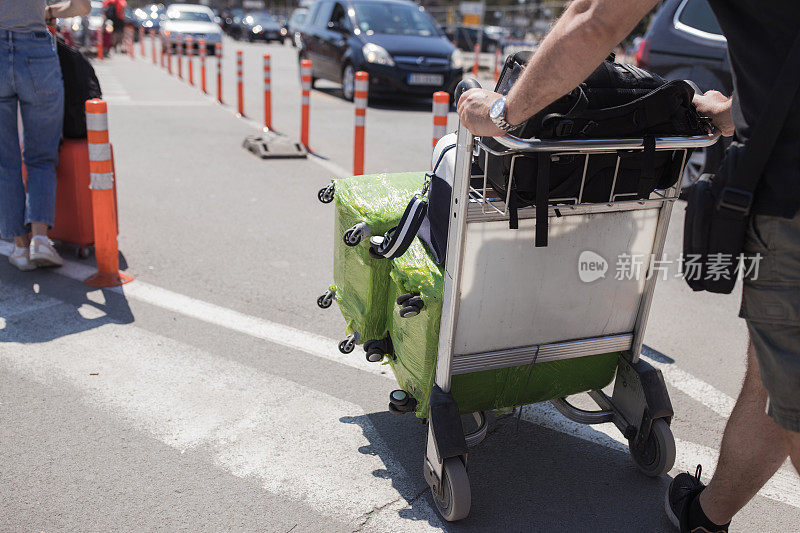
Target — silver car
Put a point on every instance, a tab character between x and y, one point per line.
183	20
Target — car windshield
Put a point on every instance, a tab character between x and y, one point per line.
393	19
260	18
188	16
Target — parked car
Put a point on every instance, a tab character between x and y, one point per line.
395	41
234	23
263	27
294	24
182	20
150	17
466	37
685	42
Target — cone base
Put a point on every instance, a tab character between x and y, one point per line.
102	280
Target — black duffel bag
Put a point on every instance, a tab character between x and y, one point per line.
615	101
80	84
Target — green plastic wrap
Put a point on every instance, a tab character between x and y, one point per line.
416	341
361	282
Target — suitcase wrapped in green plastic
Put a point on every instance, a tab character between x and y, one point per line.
360	281
416	342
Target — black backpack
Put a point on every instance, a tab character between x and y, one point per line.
80	84
615	101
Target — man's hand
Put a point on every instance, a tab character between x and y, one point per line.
473	110
717	107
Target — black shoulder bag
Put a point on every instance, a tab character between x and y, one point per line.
719	204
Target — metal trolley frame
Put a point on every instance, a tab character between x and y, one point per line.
489	321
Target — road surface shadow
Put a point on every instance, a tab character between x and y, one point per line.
41	305
524	477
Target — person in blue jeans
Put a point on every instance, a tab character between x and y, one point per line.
30	80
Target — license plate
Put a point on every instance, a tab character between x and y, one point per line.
425	79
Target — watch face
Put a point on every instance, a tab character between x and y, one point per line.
497	109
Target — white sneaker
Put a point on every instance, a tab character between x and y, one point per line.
21	259
43	254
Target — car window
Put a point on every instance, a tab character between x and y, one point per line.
697	15
188	16
339	16
323	15
394	19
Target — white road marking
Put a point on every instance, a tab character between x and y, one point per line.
782	488
298	442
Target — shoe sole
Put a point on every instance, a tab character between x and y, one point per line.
670	513
28	268
45	262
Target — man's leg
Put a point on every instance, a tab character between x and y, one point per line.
753	448
793	439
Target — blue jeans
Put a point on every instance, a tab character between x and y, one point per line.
30	76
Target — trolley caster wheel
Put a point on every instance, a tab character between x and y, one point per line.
401	402
356	234
455	496
326	299
325	194
348	344
84	252
656	456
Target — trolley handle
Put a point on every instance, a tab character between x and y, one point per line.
519	144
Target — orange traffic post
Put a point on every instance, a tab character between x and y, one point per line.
239	83
475	64
141	40
129	31
218	52
104	216
305	101
169	56
441	106
498	54
153	46
203	52
179	53
267	93
100	42
360	97
190	58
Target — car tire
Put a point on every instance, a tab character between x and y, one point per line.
348	82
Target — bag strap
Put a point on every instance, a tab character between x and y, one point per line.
542	199
737	196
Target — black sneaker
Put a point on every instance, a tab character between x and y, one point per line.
682	491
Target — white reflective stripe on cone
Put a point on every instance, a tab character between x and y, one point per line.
305	99
439	131
360	102
267	86
360	120
96	121
99	152
441	109
101	181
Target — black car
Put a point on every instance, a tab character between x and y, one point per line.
466	37
262	27
395	41
685	42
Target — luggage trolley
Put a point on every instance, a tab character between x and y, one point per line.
507	303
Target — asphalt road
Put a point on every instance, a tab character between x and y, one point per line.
220	401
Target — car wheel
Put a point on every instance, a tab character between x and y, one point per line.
348	82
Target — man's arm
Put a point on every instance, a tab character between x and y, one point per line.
581	39
70	8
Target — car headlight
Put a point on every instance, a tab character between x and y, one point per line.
457	59
377	54
257	29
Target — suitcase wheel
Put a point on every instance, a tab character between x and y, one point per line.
325	194
376	349
356	234
326	299
401	402
348	344
411	304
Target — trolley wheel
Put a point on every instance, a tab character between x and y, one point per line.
657	455
374	357
456	497
84	252
347	345
403	298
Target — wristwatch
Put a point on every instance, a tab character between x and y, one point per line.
497	113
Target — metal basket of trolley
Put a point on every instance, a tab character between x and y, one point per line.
510	304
